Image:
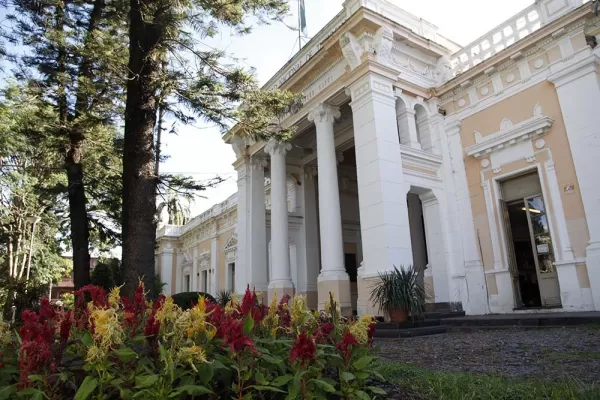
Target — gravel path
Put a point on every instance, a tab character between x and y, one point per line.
544	353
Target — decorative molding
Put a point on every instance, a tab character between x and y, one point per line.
324	113
351	49
420	159
230	249
274	146
511	134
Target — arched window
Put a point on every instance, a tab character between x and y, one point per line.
424	134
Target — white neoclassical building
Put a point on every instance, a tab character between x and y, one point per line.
477	165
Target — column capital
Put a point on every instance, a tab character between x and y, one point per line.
324	113
258	162
453	127
274	147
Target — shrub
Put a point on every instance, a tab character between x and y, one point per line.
117	348
187	300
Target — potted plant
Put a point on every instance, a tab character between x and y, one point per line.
399	294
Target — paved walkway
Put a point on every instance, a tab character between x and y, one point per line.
543	353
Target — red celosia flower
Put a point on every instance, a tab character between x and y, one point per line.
65	328
37	335
371	333
323	332
97	294
134	311
345	346
152	325
248	302
304	349
233	332
46	310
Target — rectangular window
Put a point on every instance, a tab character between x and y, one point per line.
232	277
187	283
205	281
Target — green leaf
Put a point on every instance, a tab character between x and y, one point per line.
86	389
282	380
125	354
248	325
87	340
216	364
362	362
362	395
361	374
260	378
377	390
145	381
195	390
35	378
205	370
347	376
262	388
271	359
7	392
323	385
32	394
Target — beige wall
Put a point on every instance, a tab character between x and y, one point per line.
222	262
519	108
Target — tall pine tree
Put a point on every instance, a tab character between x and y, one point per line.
74	53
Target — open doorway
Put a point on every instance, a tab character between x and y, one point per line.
529	244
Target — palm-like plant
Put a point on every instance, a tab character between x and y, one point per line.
399	290
223	298
177	206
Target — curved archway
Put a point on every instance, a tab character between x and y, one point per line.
423	128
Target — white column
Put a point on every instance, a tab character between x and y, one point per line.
382	190
309	267
578	87
243	208
166	269
330	218
194	284
438	268
474	294
257	228
214	260
407	126
281	276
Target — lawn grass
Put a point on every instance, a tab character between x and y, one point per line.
468	386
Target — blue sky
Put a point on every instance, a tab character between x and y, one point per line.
199	150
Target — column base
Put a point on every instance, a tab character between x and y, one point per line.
340	288
280	289
568	282
365	285
476	286
592	261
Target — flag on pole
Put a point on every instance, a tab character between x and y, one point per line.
302	18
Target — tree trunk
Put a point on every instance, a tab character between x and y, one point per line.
139	196
80	234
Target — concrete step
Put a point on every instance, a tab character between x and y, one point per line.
410	332
443	314
408	324
527	320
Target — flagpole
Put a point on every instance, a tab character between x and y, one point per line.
299	26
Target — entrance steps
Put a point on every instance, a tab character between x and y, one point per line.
456	321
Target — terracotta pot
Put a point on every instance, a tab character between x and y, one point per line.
398	315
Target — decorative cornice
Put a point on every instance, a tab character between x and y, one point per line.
510	134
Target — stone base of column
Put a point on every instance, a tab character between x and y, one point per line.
568	282
279	290
340	288
476	286
592	261
365	287
312	299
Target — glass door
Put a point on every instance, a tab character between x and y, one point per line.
542	250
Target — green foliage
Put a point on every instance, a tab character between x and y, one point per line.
399	289
107	273
187	300
471	386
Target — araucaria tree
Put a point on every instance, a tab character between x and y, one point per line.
73	57
169	64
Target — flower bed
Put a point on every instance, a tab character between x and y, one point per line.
109	347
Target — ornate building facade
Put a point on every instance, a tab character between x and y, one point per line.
476	165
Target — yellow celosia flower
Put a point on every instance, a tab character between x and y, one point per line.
168	313
191	355
299	313
360	329
107	328
232	305
114	297
271	320
95	355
